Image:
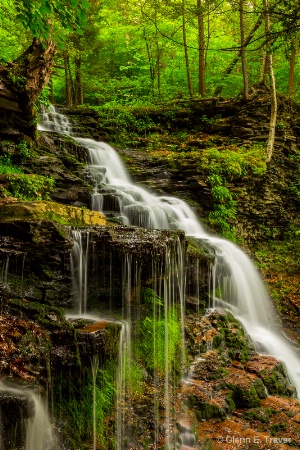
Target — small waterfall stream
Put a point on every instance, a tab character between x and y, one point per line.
240	287
38	432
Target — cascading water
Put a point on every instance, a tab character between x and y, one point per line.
50	120
79	269
240	288
38	433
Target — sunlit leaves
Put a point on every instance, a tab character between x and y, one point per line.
46	18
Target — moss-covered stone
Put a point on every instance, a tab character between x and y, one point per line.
51	211
272	373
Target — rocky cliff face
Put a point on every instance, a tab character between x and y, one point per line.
224	402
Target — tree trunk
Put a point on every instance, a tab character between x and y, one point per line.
150	61
187	64
271	138
78	82
264	68
67	81
21	84
291	87
243	52
158	54
201	40
238	55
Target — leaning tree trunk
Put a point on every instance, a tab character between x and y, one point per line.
273	116
201	53
187	64
21	83
243	52
291	87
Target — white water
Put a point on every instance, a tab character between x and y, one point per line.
242	288
50	120
79	268
243	291
38	430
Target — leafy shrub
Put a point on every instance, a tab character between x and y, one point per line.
6	166
235	161
30	187
160	338
24	150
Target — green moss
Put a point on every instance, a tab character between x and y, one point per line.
244	396
258	414
205	411
277	382
276	428
52	212
49	316
196	250
231	337
260	388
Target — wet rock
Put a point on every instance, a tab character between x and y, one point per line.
272	373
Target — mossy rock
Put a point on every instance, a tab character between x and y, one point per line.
272	373
231	336
244	396
52	212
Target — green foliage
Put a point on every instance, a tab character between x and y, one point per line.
160	339
105	399
17	81
221	193
234	162
24	150
42	17
43	100
151	298
74	395
30	187
6	166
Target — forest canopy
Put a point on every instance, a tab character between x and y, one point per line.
127	51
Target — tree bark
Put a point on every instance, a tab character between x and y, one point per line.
273	116
243	52
21	84
78	82
238	55
201	40
150	61
291	87
67	81
264	70
186	55
158	53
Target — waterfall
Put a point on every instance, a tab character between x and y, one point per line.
243	292
79	269
122	381
51	120
38	433
240	288
4	271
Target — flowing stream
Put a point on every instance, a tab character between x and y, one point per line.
240	288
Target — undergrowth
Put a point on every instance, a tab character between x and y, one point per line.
30	187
